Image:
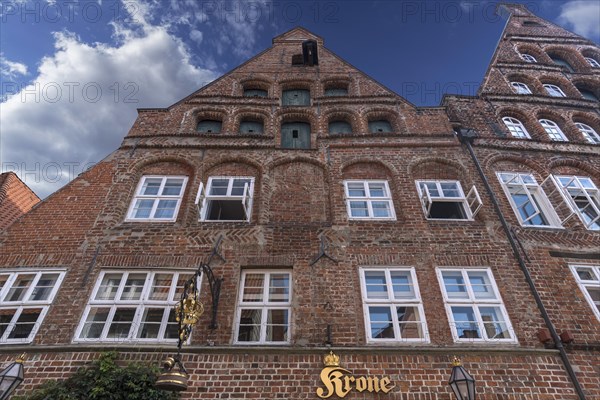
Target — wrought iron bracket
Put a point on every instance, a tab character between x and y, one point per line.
215	292
322	253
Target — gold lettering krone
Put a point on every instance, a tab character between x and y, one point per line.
339	381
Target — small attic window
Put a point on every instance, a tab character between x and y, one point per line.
252	127
532	23
339	127
209	126
336	91
255	93
380	126
297	59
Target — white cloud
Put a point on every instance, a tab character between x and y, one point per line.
583	17
11	69
196	36
62	118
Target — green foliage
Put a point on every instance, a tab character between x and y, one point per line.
104	380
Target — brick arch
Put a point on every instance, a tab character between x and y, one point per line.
138	167
292	159
559	80
208	167
569	54
299	83
214	113
559	164
348	165
592	120
445	169
374	113
590	52
340	114
533	83
558	119
253	114
590	84
337	81
490	162
256	82
522	116
533	50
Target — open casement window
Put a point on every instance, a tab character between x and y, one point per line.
588	279
25	297
588	133
227	198
446	200
157	198
592	62
134	306
474	306
264	308
369	200
392	305
528	200
582	196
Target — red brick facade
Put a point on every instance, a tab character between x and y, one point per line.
15	199
300	201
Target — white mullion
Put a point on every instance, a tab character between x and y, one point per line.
38	323
162	329
161	188
154	207
84	317
108	322
54	290
229	186
9	284
467	280
479	320
13	322
32	285
137	317
121	287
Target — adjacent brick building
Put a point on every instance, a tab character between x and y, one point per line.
347	220
15	199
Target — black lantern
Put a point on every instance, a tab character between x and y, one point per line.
11	377
461	382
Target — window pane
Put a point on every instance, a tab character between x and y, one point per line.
92	329
277	325
455	285
143	208
279	287
375	285
161	285
253	287
586	274
359	209
431	187
381	209
151	186
165	209
402	285
377	189
493	322
450	189
480	283
3	279
172	331
44	287
6	315
172	187
133	287
466	324
249	330
218	187
381	323
25	323
181	281
150	323
356	190
19	287
410	326
121	323
238	186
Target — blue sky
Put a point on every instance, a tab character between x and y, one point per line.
74	72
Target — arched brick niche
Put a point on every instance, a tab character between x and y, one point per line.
568	54
564	84
199	115
567	129
525	118
534	51
345	115
330	87
255	83
592	86
256	115
532	83
373	116
294	115
592	121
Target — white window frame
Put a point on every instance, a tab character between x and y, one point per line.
369	199
26	303
516	128
585	284
475	303
392	303
265	305
553	130
520	88
203	197
528	58
525	183
471	203
156	198
588	132
139	304
592	62
592	195
553	90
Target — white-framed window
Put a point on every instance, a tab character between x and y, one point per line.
446	200
553	130
520	88
133	306
227	198
528	58
516	128
370	199
25	297
588	133
593	63
583	197
554	90
264	307
528	200
157	198
588	279
474	306
392	305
